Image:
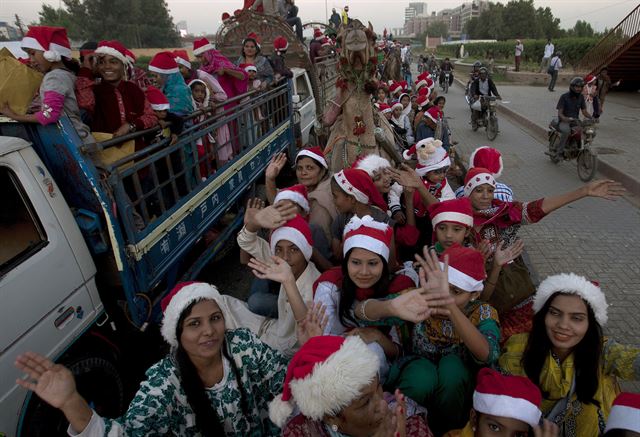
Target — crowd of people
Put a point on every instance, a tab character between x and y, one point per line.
387	300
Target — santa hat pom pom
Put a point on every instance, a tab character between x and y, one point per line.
52	56
279	411
409	153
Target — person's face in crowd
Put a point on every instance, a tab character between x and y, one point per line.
364	267
157	80
566	323
414	104
203	331
437	176
184	71
289	203
293	256
343	202
162	114
37	60
249	49
448	233
388	114
199	92
309	173
441	104
382	180
483	75
110	68
202	60
365	414
382	94
486	425
405	100
397	112
462	297
481	197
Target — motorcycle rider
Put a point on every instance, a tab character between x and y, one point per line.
569	107
475	73
482	86
446	67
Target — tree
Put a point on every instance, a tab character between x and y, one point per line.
548	25
519	20
437	28
582	29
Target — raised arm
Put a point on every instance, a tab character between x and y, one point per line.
606	189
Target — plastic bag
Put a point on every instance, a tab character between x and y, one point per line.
19	84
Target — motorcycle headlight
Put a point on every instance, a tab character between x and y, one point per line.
589	131
492	103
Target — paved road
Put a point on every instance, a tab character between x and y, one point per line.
592	237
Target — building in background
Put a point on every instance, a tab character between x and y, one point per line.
415	10
182	28
455	18
8	32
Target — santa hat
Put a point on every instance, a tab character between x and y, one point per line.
625	413
452	211
248	67
51	40
113	48
254	36
297	194
317	33
422	101
489	158
280	44
326	42
404	85
358	183
371	163
430	155
323	377
395	87
225	16
466	268
314	153
201	45
131	57
157	100
570	283
514	397
397	105
422	80
366	233
296	231
384	108
475	177
182	58
589	78
174	303
163	63
424	91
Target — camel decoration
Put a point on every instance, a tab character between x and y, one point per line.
357	128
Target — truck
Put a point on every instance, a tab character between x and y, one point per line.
89	247
314	81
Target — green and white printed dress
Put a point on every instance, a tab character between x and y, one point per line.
160	406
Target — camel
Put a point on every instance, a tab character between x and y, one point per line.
357	128
392	66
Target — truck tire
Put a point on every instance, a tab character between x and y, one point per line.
97	380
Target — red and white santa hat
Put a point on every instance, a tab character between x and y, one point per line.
297	194
384	108
397	104
164	63
475	177
201	45
225	16
182	58
424	80
395	88
424	91
625	413
452	211
323	377
113	48
430	155
371	163
326	42
174	303
157	99
248	67
51	40
357	183
317	33
514	397
422	101
466	268
131	57
589	78
280	44
489	158
366	233
314	153
254	36
570	283
295	231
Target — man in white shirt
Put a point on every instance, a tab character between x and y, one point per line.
518	53
546	58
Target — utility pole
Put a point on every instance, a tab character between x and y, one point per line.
326	12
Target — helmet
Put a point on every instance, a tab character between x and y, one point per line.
576	81
483	70
477	64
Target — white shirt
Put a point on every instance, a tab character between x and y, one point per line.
556	63
519	49
548	50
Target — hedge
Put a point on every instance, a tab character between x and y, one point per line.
573	49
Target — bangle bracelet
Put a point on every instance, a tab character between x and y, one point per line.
363	311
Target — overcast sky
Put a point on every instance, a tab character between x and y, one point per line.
204	15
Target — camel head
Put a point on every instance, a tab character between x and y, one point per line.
357	42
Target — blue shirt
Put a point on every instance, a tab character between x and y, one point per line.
502	192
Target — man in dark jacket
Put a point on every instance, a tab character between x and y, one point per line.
482	86
335	19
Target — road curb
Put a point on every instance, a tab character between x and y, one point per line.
631	183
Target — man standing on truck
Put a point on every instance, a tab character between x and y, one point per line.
335	19
288	11
345	15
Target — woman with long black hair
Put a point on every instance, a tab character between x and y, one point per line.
567	356
215	382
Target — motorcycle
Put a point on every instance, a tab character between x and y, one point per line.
488	119
444	85
578	147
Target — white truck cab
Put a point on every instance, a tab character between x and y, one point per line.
304	103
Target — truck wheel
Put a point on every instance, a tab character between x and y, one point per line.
97	380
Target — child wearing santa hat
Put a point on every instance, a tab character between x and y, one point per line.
184	65
568	358
164	74
382	94
280	69
333	385
491	159
505	405
50	52
624	418
401	125
171	123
